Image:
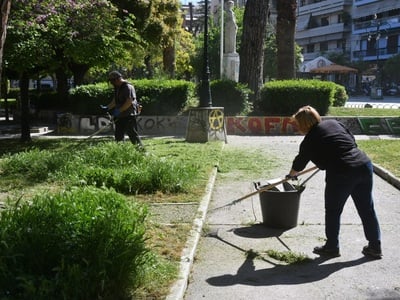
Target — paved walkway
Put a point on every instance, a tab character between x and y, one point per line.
363	101
218	265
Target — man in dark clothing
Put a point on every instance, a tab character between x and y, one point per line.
349	172
125	109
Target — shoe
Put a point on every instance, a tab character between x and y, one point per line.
371	252
332	252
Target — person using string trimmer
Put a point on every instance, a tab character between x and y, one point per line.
125	108
349	172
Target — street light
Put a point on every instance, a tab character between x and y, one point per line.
205	92
376	90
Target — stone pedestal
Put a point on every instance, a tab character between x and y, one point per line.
231	63
206	124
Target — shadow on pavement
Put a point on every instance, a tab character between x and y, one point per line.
279	274
311	271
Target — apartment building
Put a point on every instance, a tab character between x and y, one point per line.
324	27
367	30
376	30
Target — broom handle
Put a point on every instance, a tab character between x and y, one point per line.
270	186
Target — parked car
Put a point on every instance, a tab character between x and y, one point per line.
392	92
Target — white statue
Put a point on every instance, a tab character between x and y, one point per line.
230	29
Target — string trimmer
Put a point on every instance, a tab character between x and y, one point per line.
270	186
111	122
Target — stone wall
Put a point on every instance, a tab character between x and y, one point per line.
177	125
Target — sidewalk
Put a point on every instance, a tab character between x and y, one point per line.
362	101
221	269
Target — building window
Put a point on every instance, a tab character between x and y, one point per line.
324	21
392	44
323	46
310	48
341	44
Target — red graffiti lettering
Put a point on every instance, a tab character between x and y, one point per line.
272	124
288	125
234	123
255	125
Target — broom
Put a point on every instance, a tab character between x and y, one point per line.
268	187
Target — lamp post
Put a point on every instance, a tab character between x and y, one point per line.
376	91
205	91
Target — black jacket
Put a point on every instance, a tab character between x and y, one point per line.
330	146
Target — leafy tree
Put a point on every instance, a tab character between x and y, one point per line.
285	37
68	35
48	36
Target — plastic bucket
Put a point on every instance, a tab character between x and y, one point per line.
280	209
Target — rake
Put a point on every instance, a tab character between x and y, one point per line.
268	187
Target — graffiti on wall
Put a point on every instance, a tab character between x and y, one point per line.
260	125
148	125
214	123
205	124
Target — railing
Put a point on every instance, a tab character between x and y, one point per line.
371	54
385	23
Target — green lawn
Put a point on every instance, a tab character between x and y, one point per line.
385	153
363	112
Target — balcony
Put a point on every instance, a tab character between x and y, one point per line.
371	54
323	5
322	31
385	24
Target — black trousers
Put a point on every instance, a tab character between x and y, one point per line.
127	125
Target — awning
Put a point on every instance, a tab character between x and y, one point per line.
334	69
303	21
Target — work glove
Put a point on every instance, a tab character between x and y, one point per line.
104	107
116	112
290	177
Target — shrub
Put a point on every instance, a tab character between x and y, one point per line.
287	96
167	97
234	97
78	244
164	98
86	99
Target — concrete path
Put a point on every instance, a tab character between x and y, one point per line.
221	269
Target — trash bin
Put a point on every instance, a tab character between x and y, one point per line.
280	209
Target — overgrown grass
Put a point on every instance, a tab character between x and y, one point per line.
47	166
363	112
384	153
108	164
83	243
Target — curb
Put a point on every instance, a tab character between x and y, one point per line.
387	176
178	290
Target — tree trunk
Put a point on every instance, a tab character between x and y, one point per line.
252	44
5	11
79	72
25	118
62	84
169	61
285	39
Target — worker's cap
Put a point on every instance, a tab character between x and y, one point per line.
114	75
